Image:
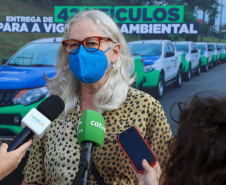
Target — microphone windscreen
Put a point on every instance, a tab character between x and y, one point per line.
51	107
91	128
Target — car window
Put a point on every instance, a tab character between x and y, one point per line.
171	48
182	47
152	49
166	49
193	47
211	46
36	54
220	46
201	46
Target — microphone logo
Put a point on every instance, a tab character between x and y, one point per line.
81	130
36	120
98	125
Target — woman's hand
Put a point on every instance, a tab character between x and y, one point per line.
151	174
9	161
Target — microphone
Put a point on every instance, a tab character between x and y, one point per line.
90	133
37	122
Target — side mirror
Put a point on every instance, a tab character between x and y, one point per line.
194	51
169	54
5	60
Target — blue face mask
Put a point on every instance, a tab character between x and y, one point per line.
88	67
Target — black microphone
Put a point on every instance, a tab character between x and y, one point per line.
37	122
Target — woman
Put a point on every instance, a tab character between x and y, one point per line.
93	73
199	148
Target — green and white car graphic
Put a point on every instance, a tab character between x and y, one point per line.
192	58
206	55
216	53
162	65
222	52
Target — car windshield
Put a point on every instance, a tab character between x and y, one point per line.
201	46
182	47
152	49
212	46
220	46
36	54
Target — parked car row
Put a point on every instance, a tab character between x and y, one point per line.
165	62
158	63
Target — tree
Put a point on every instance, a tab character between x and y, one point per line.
209	7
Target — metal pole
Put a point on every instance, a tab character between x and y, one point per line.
220	21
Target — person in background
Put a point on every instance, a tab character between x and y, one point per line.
9	161
93	73
198	152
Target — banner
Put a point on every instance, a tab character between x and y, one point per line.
127	14
131	20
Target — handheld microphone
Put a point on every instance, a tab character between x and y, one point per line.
90	133
37	122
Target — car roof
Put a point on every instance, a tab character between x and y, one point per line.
201	42
148	41
52	39
183	42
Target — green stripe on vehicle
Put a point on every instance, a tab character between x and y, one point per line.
151	79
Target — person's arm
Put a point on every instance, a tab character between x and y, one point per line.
9	161
150	176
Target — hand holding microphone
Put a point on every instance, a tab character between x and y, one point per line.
90	133
37	122
9	161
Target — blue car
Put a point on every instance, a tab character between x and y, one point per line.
22	85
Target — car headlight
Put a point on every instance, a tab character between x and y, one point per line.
27	97
149	68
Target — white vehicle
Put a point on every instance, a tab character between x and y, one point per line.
222	52
216	53
161	62
206	55
192	57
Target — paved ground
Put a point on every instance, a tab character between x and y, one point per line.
214	80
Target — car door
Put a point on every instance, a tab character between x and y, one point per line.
210	53
167	62
175	61
194	56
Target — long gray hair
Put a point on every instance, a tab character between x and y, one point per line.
113	93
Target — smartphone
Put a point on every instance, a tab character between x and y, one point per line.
136	148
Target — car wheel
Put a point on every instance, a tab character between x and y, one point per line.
188	74
159	89
219	62
178	78
198	70
205	68
211	65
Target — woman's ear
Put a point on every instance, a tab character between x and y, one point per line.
116	52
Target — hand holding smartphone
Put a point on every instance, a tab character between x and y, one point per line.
136	148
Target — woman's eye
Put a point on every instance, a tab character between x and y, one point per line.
74	45
92	43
